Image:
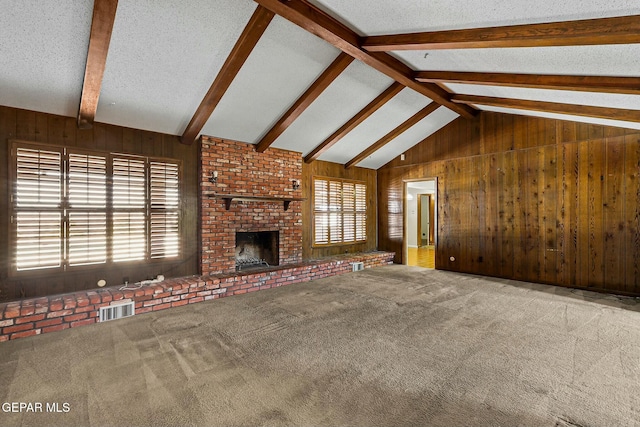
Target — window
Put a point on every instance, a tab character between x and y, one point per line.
74	207
339	211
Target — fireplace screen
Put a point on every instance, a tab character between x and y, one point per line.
257	249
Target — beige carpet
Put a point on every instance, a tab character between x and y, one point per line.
389	346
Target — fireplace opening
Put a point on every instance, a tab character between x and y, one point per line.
257	249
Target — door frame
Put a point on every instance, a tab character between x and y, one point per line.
405	216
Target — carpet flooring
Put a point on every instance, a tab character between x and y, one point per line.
389	346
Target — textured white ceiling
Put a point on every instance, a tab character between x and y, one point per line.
608	60
347	95
43	46
284	63
614	100
374	17
388	117
163	58
427	126
165	55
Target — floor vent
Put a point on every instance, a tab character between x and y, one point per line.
117	311
357	266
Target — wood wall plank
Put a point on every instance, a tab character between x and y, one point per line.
582	199
538	199
507	134
7	131
443	225
520	224
582	131
567	131
26	125
506	187
568	212
492	232
613	218
534	245
596	211
632	213
474	183
490	129
549	215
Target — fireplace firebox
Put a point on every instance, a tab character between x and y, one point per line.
257	249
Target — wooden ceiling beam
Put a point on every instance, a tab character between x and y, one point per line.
104	15
552	107
393	134
617	30
250	36
626	85
317	22
362	115
315	90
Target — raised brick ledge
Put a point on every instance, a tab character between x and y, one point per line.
57	312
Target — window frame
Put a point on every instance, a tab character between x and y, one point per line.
65	209
341	212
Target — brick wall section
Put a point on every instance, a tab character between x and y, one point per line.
242	170
54	313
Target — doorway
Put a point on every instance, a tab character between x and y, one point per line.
420	219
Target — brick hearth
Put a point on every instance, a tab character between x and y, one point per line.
54	313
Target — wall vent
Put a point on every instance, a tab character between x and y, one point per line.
357	266
117	311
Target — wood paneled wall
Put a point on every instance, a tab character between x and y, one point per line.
335	170
58	130
527	198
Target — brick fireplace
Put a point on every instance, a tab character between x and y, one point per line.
243	171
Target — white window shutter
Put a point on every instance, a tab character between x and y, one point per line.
165	201
87	203
37	215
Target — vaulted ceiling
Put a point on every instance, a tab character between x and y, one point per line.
353	82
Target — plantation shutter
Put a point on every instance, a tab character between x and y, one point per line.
321	211
129	241
87	209
361	212
74	207
349	211
165	203
340	211
335	216
37	208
